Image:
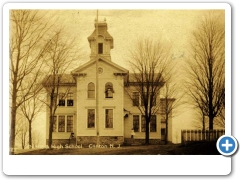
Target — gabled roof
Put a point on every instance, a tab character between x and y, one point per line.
80	68
64	79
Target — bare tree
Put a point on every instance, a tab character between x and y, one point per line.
201	120
149	64
21	130
26	48
31	108
206	72
220	119
60	56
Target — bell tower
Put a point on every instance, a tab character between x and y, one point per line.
105	41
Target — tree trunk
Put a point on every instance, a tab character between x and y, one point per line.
166	133
147	131
203	122
50	132
51	120
30	134
13	121
23	139
211	122
210	93
210	127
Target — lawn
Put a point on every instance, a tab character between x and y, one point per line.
196	148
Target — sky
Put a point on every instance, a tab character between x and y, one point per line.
127	26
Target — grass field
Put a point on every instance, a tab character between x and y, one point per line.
196	148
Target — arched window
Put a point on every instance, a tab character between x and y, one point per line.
109	90
91	90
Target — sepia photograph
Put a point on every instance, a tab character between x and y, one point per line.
112	88
116	82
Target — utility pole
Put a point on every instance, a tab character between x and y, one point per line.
97	94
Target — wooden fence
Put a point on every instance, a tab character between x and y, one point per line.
199	135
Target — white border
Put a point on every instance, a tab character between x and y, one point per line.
116	165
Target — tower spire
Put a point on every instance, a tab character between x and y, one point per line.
100	41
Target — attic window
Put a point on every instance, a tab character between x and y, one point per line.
61	99
70	99
100	48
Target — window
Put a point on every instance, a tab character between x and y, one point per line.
91	118
143	124
148	97
136	123
100	48
153	124
135	98
153	96
61	101
163	131
163	118
91	90
70	99
163	110
61	123
162	106
55	124
109	90
108	118
143	98
69	123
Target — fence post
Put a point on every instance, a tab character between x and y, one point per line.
203	135
199	135
188	135
215	134
195	134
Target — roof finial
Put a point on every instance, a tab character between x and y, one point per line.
105	19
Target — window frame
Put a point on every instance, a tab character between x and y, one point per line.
111	121
138	123
60	128
55	124
150	125
143	123
61	98
91	90
70	101
163	131
94	120
150	94
135	98
71	124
